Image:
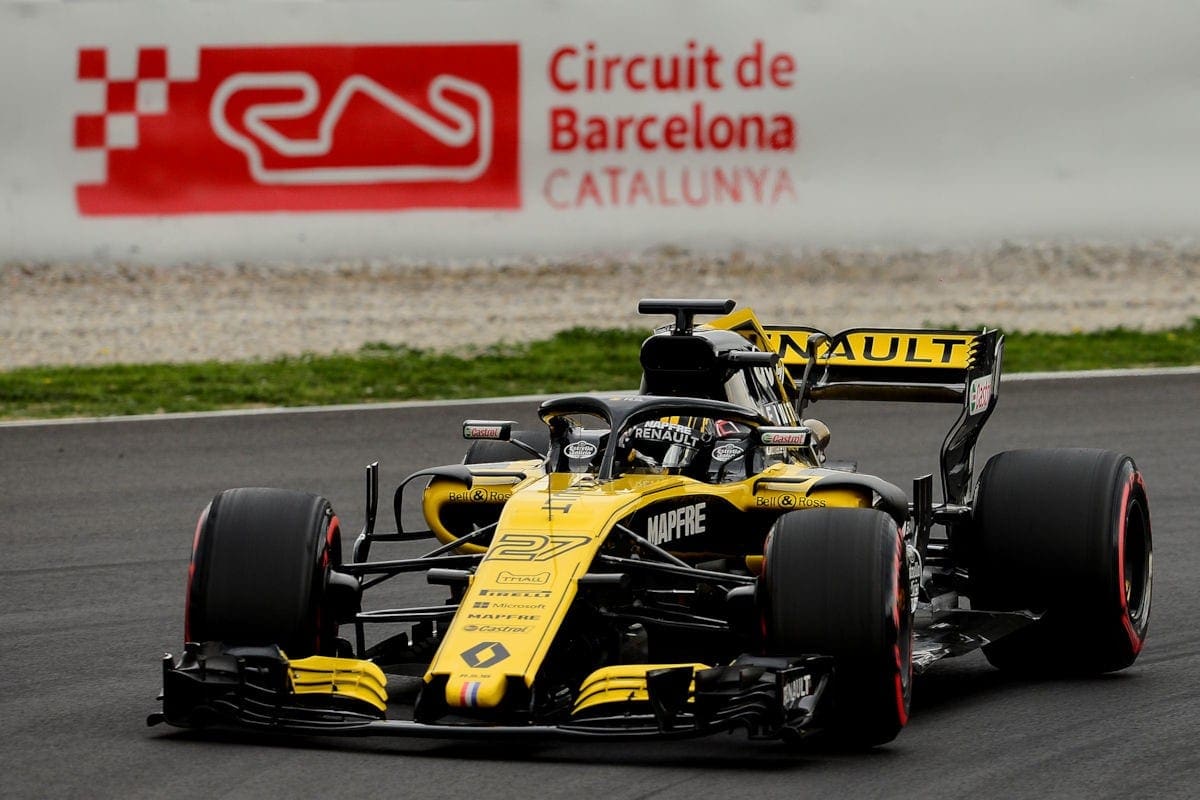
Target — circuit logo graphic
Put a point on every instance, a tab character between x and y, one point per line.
312	128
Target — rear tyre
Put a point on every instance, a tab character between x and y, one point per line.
260	562
1067	533
486	451
836	583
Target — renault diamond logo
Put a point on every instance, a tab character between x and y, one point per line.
485	654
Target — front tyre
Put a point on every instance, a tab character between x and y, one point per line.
260	563
835	582
1065	532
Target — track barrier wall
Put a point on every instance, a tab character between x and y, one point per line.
187	132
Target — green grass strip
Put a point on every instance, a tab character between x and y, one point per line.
579	359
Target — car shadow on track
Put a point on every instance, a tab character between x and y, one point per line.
722	752
956	685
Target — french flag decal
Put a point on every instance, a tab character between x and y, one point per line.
469	694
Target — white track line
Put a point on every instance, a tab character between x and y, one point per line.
530	398
1083	374
259	412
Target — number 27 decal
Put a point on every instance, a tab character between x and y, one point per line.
533	546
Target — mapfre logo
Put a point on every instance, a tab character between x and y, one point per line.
313	128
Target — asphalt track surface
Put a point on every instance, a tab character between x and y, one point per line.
95	527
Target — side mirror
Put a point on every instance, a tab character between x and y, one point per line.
488	429
820	431
772	436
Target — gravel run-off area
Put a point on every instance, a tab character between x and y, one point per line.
92	314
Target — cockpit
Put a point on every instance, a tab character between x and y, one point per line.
706	440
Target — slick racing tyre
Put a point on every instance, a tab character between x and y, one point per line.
485	451
836	583
1067	533
260	563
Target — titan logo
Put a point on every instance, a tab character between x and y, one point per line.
484	655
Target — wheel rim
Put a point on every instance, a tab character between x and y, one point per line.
1136	558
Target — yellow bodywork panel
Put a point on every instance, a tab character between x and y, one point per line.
485	493
623	683
351	677
786	495
744	323
549	533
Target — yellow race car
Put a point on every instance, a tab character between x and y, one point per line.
677	562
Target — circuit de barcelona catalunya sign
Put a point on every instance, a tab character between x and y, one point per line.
394	127
304	128
159	132
697	126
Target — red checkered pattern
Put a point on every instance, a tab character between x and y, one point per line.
126	100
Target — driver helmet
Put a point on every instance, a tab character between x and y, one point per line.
671	444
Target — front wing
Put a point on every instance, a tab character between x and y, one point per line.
256	688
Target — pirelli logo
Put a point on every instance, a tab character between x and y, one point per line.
885	348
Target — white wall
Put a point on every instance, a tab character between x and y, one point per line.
919	123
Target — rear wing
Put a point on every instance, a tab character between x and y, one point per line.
897	364
904	365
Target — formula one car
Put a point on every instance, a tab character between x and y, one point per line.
676	563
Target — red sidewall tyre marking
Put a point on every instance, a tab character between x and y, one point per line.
191	579
331	535
1135	641
902	669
